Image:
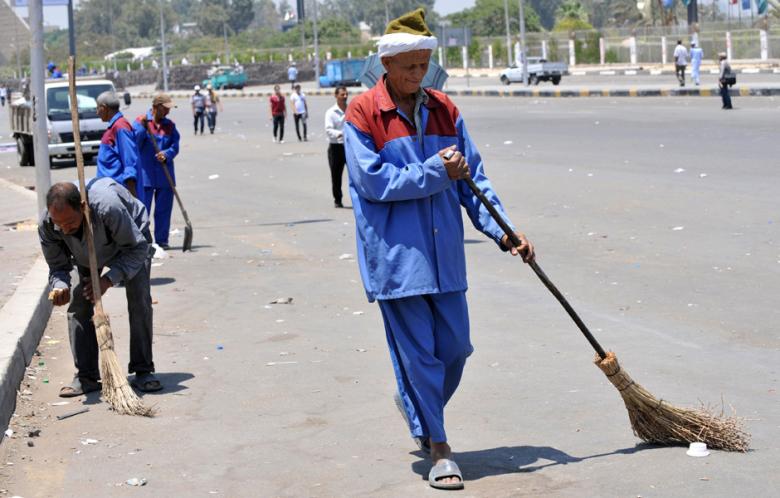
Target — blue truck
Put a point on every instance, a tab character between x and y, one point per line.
342	72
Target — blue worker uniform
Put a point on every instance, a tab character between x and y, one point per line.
410	240
118	155
155	183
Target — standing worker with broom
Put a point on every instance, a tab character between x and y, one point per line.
407	149
156	184
122	244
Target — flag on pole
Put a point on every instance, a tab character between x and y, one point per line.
745	4
762	6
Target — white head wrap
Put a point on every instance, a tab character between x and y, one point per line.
396	43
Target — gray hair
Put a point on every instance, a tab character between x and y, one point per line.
108	99
63	194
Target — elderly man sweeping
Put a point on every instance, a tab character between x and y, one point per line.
407	148
122	244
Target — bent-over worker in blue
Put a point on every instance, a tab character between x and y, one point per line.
156	184
117	155
407	201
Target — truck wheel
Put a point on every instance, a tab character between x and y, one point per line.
505	80
23	152
556	80
533	80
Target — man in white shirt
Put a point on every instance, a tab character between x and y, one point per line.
300	111
292	74
680	61
334	128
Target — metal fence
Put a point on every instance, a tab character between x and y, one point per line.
648	46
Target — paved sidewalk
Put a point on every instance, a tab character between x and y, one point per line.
24	308
18	237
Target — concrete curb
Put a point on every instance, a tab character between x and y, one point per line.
23	319
529	92
22	322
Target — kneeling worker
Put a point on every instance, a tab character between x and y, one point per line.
122	242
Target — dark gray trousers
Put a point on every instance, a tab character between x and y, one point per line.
83	341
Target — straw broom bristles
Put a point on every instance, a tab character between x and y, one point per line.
656	421
116	391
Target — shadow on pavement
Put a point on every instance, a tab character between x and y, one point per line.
517	459
161	281
273	224
171	382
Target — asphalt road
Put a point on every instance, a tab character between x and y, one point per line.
657	217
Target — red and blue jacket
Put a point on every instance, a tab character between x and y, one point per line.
167	137
407	210
117	155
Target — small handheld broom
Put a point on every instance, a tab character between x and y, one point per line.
653	420
116	391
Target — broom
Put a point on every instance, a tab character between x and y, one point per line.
652	420
116	391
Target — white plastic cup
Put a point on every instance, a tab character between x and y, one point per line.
697	450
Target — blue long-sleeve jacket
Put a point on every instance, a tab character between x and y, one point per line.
117	155
167	137
407	210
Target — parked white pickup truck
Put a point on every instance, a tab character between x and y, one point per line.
538	70
58	120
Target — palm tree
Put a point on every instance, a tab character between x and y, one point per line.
571	10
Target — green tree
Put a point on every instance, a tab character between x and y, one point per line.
372	12
571	16
186	10
241	13
212	17
613	13
265	15
486	18
546	11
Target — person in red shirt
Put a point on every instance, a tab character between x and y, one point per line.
278	113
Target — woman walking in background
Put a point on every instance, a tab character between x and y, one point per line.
213	104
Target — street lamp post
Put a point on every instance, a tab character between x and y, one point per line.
523	48
316	49
164	53
508	38
71	30
37	89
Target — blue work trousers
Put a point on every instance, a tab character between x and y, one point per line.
428	337
163	206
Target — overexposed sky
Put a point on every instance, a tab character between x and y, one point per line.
450	6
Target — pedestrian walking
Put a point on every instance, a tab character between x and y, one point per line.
122	239
214	105
697	54
680	61
725	80
3	95
292	75
117	155
334	129
300	111
157	189
278	113
199	103
407	149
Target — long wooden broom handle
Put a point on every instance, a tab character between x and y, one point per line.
164	168
74	115
536	268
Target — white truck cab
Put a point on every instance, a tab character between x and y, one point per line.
58	120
